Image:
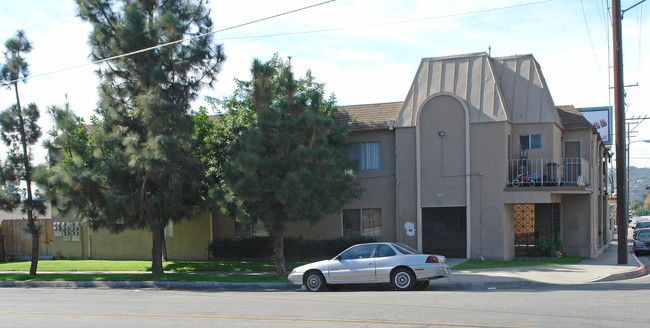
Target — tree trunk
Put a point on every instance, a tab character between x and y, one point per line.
278	253
28	181
156	251
31	225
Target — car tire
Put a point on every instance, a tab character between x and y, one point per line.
402	279
421	285
314	281
637	253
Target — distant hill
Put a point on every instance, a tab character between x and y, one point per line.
639	180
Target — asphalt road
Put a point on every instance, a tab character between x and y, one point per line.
621	303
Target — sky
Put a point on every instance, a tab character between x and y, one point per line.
365	51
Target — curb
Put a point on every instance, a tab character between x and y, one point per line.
640	271
150	284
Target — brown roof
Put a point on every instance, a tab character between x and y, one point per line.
368	117
572	119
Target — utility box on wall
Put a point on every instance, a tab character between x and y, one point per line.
67	236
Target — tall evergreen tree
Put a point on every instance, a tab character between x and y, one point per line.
19	132
289	166
138	170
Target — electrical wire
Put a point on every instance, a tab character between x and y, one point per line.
591	42
168	43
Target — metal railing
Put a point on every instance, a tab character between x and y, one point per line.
531	172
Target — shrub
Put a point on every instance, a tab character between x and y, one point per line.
549	246
295	249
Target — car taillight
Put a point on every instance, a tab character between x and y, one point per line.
432	259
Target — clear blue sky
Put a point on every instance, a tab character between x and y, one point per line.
367	51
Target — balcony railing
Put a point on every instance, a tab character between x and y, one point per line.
547	172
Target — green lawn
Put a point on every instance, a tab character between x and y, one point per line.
194	271
182	277
179	266
488	264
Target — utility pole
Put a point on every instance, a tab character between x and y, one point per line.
619	117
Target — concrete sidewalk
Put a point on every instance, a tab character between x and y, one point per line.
603	268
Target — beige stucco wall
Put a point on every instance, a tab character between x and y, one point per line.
189	242
442	158
379	192
406	193
490	224
577	228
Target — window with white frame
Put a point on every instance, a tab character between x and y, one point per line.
362	222
530	141
257	229
367	154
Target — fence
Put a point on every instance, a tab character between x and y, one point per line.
547	172
18	240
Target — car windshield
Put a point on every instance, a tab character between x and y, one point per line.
643	235
644	224
405	249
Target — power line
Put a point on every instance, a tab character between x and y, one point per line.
168	43
591	42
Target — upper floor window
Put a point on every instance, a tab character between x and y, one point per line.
530	141
367	154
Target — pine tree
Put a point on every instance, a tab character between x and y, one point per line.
289	166
19	132
138	170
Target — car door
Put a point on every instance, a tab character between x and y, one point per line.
385	261
355	265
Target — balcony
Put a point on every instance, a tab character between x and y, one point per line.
547	172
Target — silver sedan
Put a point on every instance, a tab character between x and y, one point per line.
373	263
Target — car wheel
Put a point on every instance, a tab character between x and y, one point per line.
421	285
637	253
403	279
314	281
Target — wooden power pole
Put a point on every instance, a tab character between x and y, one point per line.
619	117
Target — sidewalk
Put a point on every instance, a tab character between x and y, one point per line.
603	268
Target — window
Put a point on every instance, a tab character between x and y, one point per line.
257	229
530	141
359	252
367	154
362	222
385	251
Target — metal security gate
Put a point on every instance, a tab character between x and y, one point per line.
444	231
532	221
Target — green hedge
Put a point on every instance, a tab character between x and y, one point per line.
295	249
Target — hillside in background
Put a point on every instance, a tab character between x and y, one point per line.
639	180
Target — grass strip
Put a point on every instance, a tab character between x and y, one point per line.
179	266
180	277
490	264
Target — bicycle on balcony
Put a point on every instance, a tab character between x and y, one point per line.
524	179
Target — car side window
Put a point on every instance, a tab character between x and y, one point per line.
359	252
385	251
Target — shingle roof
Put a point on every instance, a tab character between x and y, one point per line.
572	119
370	116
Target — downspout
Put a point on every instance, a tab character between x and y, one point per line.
467	186
397	211
90	249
